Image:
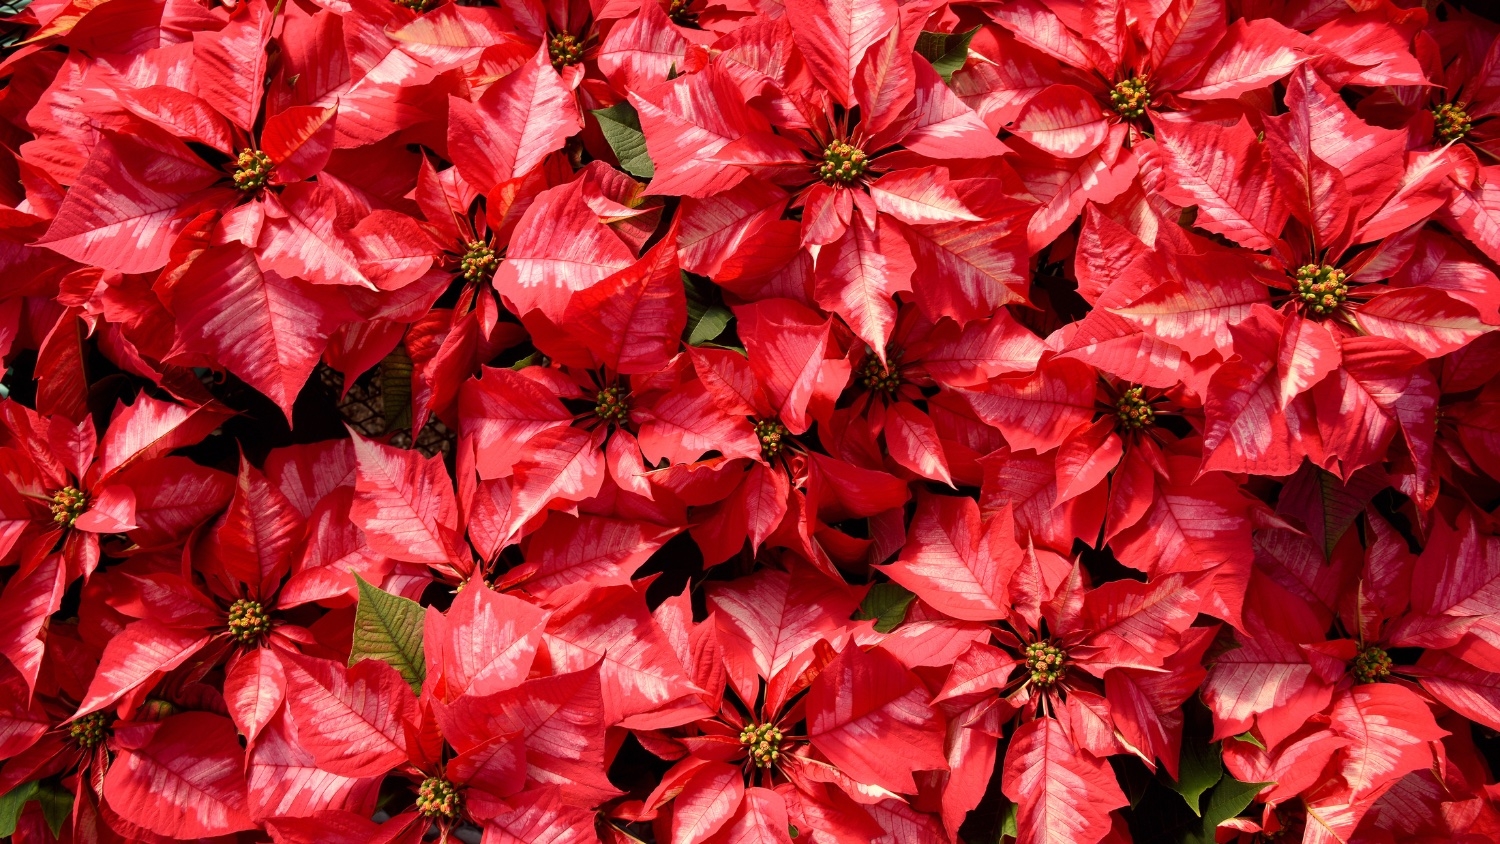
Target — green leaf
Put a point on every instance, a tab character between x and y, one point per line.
709	325
12	803
389	628
707	316
13	7
57	805
1228	799
1199	770
395	388
1342	504
1008	827
533	359
886	603
946	50
622	128
1249	738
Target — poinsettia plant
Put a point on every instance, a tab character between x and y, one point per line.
749	422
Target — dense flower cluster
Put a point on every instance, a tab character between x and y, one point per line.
749	421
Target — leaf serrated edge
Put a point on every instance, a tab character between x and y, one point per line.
406	657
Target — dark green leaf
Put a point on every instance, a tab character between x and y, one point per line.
707	316
1135	779
1227	800
13	7
389	628
11	805
622	128
1343	503
946	50
1199	770
886	603
1008	827
710	325
395	388
57	805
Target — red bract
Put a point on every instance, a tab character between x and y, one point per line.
749	422
1096	83
230	607
767	485
1089	660
39	742
890	398
802	740
859	159
65	490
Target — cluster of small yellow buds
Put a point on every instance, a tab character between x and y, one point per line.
418	6
843	163
68	504
1131	97
763	742
89	731
682	14
439	800
254	170
1450	122
1371	666
248	621
479	261
1321	289
1133	411
772	435
881	379
477	578
564	50
612	404
1045	661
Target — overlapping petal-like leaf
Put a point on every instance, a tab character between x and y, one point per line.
749	422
